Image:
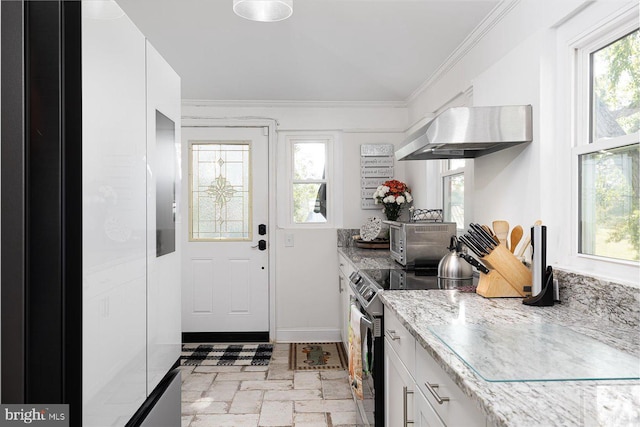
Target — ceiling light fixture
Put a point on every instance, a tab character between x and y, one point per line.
263	10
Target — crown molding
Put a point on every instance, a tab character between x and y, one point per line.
292	104
494	17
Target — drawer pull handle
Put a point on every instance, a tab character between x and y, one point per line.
392	335
432	389
405	406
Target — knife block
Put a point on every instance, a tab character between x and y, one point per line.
493	285
511	278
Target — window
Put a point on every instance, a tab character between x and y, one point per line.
307	196
454	172
219	189
309	181
608	153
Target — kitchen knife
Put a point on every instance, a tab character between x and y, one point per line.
485	234
471	246
479	243
486	242
474	262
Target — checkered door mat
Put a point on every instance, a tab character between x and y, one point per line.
226	355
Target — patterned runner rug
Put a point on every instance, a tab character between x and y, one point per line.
226	355
324	356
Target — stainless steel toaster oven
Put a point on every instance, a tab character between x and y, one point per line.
419	241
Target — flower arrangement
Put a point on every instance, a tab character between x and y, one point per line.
393	195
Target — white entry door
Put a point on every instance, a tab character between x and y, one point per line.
226	258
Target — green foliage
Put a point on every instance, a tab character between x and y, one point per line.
617	81
617	195
616	86
305	194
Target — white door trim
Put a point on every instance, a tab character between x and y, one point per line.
271	125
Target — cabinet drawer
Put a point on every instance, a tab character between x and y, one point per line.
400	340
453	407
425	415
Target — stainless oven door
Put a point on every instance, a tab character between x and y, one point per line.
366	406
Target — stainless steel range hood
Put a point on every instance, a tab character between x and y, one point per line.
468	132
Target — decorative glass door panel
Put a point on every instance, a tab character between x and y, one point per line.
220	191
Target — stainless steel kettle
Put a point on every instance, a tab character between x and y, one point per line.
454	271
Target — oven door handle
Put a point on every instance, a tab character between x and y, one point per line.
365	324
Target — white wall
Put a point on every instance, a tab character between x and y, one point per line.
523	60
306	288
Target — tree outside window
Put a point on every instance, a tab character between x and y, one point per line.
309	182
610	177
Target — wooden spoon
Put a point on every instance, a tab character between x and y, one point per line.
526	242
501	229
516	236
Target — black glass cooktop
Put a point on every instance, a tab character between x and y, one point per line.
426	279
389	279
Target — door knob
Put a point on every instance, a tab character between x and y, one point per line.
262	245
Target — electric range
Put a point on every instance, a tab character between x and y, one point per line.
366	284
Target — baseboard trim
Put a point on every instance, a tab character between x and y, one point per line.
308	335
226	337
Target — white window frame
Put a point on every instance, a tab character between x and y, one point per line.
467	172
580	51
333	194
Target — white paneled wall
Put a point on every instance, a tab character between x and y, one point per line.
131	299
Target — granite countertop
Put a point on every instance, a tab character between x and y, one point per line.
533	403
369	258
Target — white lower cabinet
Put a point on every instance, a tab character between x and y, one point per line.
417	391
425	416
399	389
453	407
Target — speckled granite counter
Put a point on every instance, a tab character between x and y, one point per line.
368	258
561	403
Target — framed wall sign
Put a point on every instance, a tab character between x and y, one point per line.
376	167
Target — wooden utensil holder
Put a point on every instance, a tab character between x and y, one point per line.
493	285
508	278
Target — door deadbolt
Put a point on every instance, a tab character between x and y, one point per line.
262	229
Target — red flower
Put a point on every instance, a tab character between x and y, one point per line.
396	188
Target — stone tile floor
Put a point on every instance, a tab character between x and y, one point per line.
252	396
